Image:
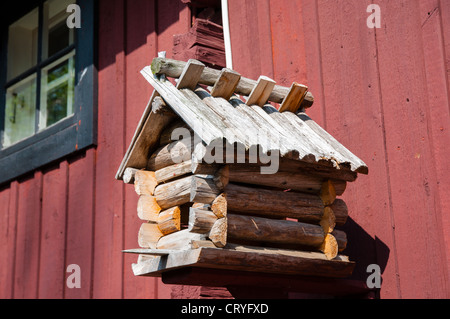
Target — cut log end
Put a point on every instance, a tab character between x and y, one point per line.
169	221
145	182
328	221
128	175
329	247
218	233
149	235
328	192
147	208
201	221
219	206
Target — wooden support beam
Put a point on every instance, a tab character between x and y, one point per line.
174	68
147	208
265	230
169	221
145	182
174	193
201	221
261	92
173	171
191	74
294	98
283	180
274	203
149	235
226	84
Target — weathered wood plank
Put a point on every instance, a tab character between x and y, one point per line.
248	259
187	109
357	165
226	84
191	74
147	251
294	98
261	92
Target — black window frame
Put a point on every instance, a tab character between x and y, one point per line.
71	134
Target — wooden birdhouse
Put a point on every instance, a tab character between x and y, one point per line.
226	180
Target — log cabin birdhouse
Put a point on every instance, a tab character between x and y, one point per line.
225	180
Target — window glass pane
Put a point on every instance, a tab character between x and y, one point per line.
57	91
57	35
20	111
23	44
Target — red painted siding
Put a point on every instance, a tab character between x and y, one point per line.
384	93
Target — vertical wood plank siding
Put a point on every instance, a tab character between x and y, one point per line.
384	93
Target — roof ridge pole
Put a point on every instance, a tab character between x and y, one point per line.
226	34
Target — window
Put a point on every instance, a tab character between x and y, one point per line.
48	85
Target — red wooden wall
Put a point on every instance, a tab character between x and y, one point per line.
75	212
384	93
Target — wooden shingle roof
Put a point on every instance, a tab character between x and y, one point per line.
217	113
